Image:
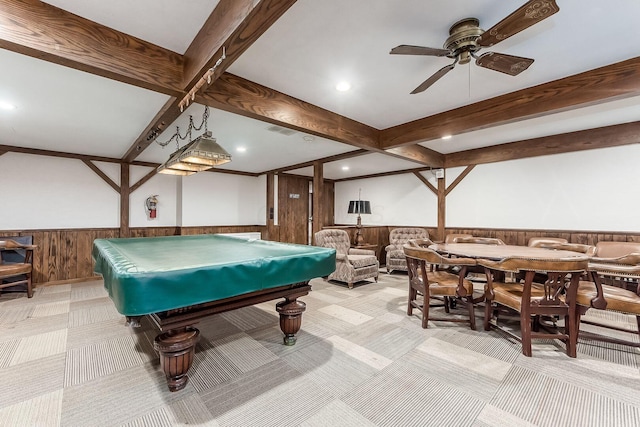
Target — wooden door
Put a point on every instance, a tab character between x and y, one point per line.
293	209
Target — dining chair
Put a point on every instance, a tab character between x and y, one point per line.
537	241
616	266
449	238
555	297
429	280
16	264
479	240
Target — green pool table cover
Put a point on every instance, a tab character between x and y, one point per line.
149	275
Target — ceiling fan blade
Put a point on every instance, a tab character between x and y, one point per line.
405	49
508	64
529	14
434	78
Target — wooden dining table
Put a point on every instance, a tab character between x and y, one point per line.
537	256
496	252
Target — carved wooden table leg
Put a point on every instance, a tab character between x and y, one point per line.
177	348
290	318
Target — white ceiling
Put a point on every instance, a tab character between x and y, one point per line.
304	54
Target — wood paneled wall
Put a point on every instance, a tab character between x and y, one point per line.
65	255
379	235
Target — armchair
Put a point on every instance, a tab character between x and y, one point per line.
396	259
352	265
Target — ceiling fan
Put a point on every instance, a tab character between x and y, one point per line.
466	38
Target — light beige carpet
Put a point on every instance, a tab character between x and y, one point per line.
66	359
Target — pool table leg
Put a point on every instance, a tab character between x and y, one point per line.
177	348
290	318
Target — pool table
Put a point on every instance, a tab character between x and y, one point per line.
177	280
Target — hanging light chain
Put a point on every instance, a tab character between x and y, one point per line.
190	128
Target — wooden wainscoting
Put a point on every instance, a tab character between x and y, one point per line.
379	235
65	255
521	237
262	229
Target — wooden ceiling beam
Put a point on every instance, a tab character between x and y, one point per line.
603	137
246	98
419	154
607	83
230	29
334	158
234	24
42	31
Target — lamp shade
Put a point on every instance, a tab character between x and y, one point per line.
359	207
204	150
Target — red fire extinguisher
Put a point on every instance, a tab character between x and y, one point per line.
152	206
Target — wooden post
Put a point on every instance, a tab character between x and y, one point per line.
318	195
272	229
124	200
442	200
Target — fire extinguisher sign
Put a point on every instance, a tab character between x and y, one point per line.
151	205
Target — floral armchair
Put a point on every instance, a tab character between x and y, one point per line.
352	265
396	259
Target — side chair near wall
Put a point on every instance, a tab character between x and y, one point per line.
396	259
352	265
537	242
449	238
556	297
16	264
617	266
478	240
429	279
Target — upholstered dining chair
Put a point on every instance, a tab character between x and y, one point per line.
352	265
478	240
449	238
396	259
555	297
539	241
616	265
16	271
429	279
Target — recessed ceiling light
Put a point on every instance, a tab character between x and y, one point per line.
446	137
7	106
345	168
343	86
241	149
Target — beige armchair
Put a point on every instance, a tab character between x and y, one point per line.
352	265
396	258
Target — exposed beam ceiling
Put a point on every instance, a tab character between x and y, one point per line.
42	31
606	83
230	29
240	96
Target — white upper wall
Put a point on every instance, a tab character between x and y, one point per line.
395	200
589	190
40	192
596	190
43	192
223	199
